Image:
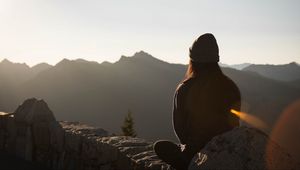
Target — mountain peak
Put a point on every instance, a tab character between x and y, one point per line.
142	54
6	61
293	64
80	60
106	63
63	61
41	67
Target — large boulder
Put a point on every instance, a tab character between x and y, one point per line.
34	111
38	135
33	134
243	148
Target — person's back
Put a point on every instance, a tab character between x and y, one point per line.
202	105
206	103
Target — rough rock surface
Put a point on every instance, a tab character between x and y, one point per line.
92	148
32	133
243	148
11	162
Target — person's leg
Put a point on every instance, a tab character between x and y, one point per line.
192	149
188	154
170	153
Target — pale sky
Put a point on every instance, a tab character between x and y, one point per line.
255	31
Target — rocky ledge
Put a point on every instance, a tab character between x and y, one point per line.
32	134
243	148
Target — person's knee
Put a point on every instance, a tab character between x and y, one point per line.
162	144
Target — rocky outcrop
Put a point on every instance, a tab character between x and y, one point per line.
92	148
243	148
33	134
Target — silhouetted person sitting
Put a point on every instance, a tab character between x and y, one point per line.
202	105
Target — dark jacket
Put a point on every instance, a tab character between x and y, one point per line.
202	108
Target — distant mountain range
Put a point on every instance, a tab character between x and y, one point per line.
285	72
236	66
101	94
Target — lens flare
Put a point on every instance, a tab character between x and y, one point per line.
250	119
286	131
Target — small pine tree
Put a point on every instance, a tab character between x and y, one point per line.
127	127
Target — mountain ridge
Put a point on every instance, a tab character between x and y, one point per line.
140	55
282	72
101	94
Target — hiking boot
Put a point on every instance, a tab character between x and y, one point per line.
170	153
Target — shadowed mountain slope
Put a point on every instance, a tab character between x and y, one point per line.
285	72
101	94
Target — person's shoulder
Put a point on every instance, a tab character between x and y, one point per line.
185	85
230	86
228	81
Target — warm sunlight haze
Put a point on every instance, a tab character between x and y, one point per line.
149	85
35	31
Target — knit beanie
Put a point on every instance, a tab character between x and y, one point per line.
205	49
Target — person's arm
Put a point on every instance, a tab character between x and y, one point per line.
179	115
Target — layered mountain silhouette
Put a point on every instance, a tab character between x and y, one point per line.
101	94
236	66
285	72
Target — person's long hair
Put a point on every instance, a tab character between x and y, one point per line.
197	69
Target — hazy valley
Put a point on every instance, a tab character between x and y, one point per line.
101	94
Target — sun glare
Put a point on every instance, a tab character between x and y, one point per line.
250	119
